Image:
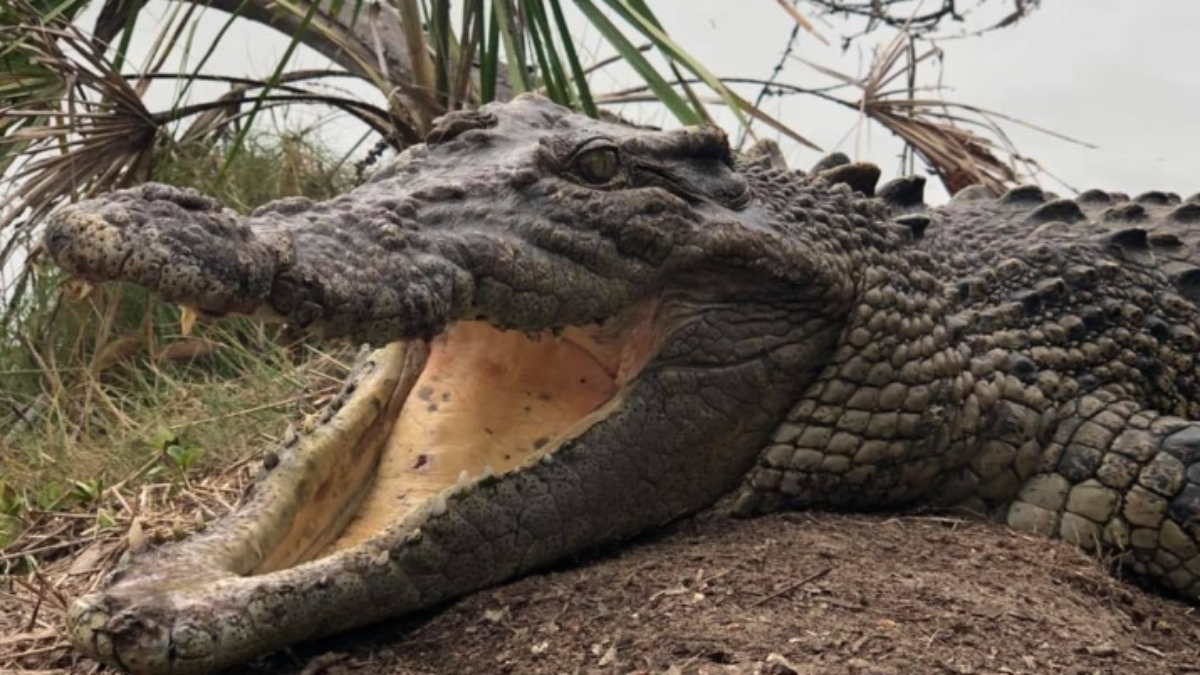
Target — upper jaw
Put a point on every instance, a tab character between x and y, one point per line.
382	266
178	243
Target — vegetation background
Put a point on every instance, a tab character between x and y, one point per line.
123	422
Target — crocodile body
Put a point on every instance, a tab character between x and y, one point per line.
657	326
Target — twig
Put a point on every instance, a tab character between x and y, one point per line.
37	607
766	87
791	587
602	63
35	652
319	664
39	549
1151	650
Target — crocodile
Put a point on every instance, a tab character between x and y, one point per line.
585	330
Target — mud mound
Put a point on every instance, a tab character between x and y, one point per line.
794	593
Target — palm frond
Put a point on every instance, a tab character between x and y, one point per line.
963	144
75	126
95	105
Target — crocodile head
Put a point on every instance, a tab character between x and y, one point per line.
585	330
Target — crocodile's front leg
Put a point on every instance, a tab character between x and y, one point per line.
1119	478
1101	471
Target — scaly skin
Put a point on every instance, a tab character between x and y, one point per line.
1024	357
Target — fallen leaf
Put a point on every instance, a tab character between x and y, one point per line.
610	656
116	351
782	665
320	664
677	590
76	289
495	615
1102	650
86	560
186	350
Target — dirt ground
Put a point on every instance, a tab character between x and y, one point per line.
794	593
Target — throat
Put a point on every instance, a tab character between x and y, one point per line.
489	401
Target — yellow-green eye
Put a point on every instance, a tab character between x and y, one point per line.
597	166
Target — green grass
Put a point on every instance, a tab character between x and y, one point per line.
267	168
97	390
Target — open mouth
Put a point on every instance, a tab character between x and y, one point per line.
428	417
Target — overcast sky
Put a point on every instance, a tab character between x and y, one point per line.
1122	75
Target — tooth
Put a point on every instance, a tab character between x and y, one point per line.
438	507
488	471
547	459
382	559
187	319
136	535
464	477
76	289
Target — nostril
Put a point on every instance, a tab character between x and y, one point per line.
56	241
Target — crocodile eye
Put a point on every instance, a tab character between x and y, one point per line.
598	165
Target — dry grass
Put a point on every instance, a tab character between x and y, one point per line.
66	554
92	379
119	427
62	549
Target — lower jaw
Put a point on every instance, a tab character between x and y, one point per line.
358	485
199	605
